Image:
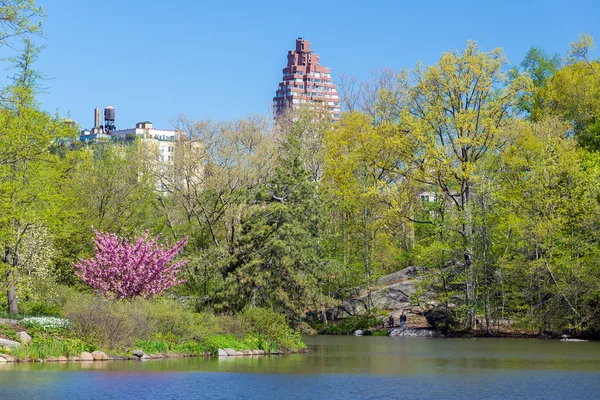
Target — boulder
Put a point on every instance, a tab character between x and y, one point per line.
261	352
99	356
24	338
358	332
74	358
52	359
407	332
144	357
247	352
230	352
11	344
8	357
138	353
63	358
440	319
85	356
3	360
222	353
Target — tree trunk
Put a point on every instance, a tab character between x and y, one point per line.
11	294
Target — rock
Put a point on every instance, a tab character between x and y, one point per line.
222	353
405	274
99	356
74	358
63	358
8	358
144	357
247	352
52	359
261	352
11	344
276	352
138	353
407	332
24	338
303	350
230	352
358	332
85	356
440	319
3	360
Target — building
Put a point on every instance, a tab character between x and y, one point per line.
106	130
306	83
174	159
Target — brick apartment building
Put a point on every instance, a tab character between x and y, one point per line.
306	83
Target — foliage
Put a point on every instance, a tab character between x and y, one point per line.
124	270
8	332
349	325
43	347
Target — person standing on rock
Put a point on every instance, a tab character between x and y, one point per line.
402	320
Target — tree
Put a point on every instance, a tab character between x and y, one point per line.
123	270
540	66
276	260
573	94
455	110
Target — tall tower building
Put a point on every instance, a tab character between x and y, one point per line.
306	82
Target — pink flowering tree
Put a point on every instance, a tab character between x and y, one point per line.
125	269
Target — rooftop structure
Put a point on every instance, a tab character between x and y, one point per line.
306	83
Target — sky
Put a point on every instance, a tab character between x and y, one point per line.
153	60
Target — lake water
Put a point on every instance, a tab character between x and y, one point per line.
336	367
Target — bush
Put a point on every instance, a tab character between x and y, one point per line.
109	324
272	326
166	316
39	309
8	332
348	325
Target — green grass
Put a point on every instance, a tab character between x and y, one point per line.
42	347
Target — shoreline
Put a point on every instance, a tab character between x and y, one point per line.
100	356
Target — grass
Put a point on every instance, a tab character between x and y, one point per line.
44	347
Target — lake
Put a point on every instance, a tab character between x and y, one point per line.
335	367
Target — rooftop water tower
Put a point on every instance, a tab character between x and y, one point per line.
109	119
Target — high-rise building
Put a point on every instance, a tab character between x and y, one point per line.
306	83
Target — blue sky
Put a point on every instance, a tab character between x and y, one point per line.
153	60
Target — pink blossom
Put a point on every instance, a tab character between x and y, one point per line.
123	270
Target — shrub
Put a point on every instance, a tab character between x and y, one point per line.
273	327
125	270
39	308
8	332
110	324
166	316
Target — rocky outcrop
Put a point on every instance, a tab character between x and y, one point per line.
391	292
358	333
440	319
407	332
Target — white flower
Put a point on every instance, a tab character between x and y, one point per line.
46	323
